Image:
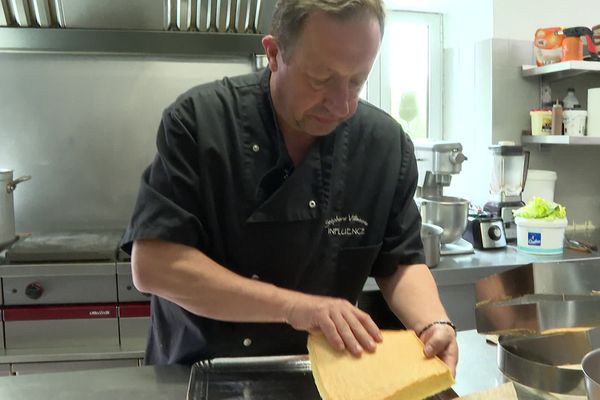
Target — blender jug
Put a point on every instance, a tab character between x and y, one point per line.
509	173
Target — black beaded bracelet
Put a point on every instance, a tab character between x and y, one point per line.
450	324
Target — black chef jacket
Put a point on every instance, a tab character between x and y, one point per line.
223	182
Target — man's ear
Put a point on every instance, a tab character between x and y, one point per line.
272	51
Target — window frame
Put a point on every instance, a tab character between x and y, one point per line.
380	95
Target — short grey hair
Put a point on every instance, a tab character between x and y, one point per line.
290	15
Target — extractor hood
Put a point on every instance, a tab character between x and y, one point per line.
126	26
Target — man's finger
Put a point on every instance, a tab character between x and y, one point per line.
347	334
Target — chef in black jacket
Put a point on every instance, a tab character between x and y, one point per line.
273	196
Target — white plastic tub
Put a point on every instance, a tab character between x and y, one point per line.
540	183
539	236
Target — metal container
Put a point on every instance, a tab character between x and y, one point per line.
7	208
431	237
450	213
591	369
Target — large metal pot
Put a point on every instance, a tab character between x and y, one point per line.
448	212
591	368
7	210
431	236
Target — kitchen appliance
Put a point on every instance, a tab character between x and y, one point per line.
7	208
591	369
61	289
548	319
509	173
485	232
431	237
572	46
437	161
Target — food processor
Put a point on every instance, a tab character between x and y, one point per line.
509	173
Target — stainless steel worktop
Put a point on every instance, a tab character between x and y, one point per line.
476	371
469	268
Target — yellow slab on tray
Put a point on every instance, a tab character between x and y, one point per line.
398	370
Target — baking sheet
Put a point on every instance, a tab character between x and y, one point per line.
263	378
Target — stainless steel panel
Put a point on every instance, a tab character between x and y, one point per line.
265	15
5	19
203	8
184	14
252	16
115	14
66	366
42	13
231	25
5	370
89	333
242	15
126	290
134	332
57	269
21	12
60	290
222	17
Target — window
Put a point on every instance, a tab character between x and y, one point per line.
406	80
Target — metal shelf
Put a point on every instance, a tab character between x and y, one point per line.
561	70
561	139
154	43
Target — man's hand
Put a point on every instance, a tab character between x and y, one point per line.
344	325
440	340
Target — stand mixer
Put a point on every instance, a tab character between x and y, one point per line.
509	173
437	161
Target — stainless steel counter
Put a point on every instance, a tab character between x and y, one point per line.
469	268
476	371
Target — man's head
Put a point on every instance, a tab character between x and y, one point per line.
290	15
320	54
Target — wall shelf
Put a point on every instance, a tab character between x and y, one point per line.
561	70
124	42
561	139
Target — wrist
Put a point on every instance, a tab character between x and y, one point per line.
427	327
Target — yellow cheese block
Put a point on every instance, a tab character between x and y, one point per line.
398	370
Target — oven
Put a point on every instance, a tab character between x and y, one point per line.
71	290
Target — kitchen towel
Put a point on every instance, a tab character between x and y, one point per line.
593	128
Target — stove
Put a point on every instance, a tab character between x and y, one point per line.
71	288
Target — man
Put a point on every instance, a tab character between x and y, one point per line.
274	196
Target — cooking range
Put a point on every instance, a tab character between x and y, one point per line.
71	289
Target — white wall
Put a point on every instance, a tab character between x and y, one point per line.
519	19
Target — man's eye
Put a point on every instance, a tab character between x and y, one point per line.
320	82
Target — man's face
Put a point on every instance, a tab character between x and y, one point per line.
319	86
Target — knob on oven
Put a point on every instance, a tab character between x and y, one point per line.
34	291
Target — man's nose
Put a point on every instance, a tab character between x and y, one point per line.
337	99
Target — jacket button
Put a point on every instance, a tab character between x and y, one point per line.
255	148
312	204
254	276
247	342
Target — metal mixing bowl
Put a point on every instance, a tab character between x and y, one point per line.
448	212
591	368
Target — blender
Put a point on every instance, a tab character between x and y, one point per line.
509	172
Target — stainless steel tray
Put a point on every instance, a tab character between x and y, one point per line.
276	378
260	378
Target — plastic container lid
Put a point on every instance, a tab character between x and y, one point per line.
542	175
